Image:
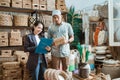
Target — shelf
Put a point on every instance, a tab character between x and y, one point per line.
12	47
23	10
15	27
116	19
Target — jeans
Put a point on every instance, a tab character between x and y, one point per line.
38	74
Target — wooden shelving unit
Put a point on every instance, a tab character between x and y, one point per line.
23	10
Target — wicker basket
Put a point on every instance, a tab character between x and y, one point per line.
11	65
5	1
7	4
93	18
5	20
21	20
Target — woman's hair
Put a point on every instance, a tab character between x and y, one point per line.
35	25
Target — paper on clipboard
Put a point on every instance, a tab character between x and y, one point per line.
44	42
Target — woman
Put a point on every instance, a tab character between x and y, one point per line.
36	63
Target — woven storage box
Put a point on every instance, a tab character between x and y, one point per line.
27	4
35	6
43	2
50	4
17	3
4	42
16	41
26	75
12	78
5	20
0	69
48	20
3	35
7	4
21	20
1	77
8	59
5	1
15	33
22	57
6	53
12	72
11	65
43	7
35	2
61	7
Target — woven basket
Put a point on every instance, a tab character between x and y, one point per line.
5	20
5	1
93	18
21	20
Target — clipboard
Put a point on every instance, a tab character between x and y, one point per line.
44	42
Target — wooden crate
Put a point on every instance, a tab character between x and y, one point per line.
8	59
17	3
43	2
16	41
4	42
5	1
21	20
27	4
3	35
6	4
12	72
15	33
6	53
43	7
11	65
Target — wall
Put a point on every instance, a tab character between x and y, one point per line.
81	4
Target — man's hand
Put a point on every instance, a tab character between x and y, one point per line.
48	48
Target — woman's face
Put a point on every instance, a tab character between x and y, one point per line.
38	29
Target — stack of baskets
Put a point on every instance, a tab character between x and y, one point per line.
52	74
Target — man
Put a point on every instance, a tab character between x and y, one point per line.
60	29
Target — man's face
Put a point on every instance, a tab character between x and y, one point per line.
57	19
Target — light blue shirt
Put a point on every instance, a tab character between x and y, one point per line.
55	31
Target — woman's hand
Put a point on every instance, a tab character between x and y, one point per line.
48	48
